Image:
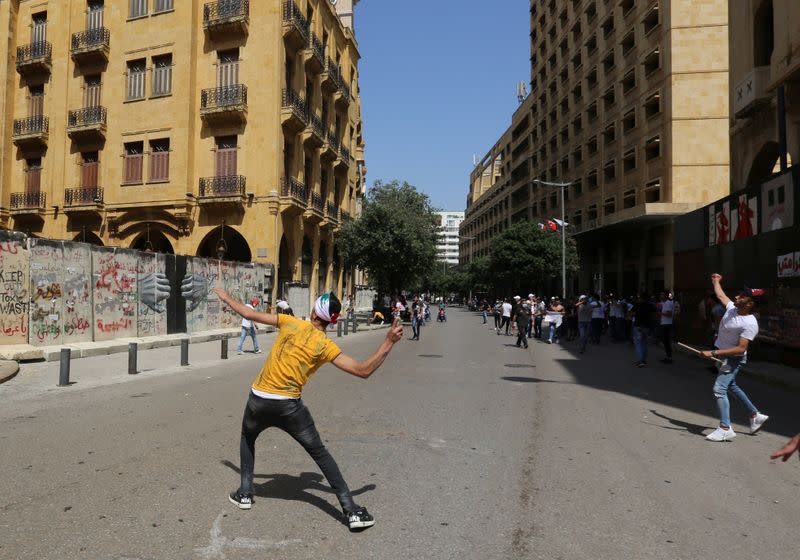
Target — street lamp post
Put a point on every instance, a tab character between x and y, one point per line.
561	187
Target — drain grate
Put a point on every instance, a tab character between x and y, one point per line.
520	365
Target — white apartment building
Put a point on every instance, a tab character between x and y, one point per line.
447	247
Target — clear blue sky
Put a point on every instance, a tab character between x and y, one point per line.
438	84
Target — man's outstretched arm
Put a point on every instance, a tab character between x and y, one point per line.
716	282
244	311
367	367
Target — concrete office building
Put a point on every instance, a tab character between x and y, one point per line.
222	128
447	245
628	103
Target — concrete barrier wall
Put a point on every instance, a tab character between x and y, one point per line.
62	292
365	299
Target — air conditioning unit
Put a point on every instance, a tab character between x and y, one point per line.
751	92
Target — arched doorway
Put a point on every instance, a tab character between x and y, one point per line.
225	243
323	267
307	261
763	164
153	240
284	267
89	237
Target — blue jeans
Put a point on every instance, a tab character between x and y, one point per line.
484	317
553	332
248	331
583	330
640	342
415	325
726	382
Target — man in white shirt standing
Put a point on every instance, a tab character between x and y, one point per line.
737	329
667	311
248	328
506	319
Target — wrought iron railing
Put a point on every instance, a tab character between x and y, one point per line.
31	125
293	15
316	124
333	141
294	101
317	47
294	188
28	199
334	71
225	185
317	202
332	211
222	97
344	89
345	154
222	11
91	39
41	50
83	195
86	117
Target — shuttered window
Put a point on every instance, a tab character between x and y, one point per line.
226	156
136	75
159	160
90	167
228	68
94	15
39	28
33	175
162	6
36	101
91	93
162	75
138	8
132	166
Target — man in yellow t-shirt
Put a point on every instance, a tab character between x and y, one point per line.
274	401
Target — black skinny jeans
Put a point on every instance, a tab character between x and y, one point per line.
666	338
294	418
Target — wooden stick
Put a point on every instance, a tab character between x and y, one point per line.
696	351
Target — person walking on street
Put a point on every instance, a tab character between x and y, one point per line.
506	312
417	317
498	314
642	312
538	317
522	318
737	329
584	311
598	317
555	315
667	309
300	349
248	328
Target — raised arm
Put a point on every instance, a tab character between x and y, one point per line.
367	367
244	311
716	282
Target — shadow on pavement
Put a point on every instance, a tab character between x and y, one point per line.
533	380
295	488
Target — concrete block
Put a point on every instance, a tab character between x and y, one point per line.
20	352
8	369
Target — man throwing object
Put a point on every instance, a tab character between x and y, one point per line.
274	400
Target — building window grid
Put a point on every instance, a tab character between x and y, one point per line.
162	75
136	80
137	9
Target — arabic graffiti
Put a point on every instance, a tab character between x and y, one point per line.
115	273
14	290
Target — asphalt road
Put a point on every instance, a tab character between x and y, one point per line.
461	445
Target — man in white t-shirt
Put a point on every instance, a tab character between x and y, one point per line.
737	329
666	313
506	316
248	328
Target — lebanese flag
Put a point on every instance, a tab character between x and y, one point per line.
552	226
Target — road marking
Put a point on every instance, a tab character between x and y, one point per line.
218	543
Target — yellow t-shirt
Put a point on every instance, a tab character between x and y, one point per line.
298	352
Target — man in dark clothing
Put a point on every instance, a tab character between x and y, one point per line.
642	313
522	318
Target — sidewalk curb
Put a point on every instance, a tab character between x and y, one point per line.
8	369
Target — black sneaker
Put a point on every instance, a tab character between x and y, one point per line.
241	500
360	519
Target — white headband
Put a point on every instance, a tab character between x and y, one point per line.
322	309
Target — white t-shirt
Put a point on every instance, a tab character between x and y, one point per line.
597	310
667	305
247	323
733	326
507	309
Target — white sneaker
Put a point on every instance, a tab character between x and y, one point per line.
757	421
721	435
258	351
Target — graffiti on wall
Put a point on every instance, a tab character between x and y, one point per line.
154	291
46	320
14	288
76	285
115	274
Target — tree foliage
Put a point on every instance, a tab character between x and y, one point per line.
527	257
394	238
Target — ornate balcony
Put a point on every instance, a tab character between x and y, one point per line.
331	76
35	58
331	215
296	30
28	202
314	133
314	54
341	96
222	189
294	196
316	210
226	17
31	132
87	124
90	46
224	104
83	199
330	149
345	158
294	111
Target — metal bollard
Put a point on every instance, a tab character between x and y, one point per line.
355	324
224	348
184	351
345	327
339	329
133	350
63	372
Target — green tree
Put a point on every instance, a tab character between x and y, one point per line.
394	238
527	257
